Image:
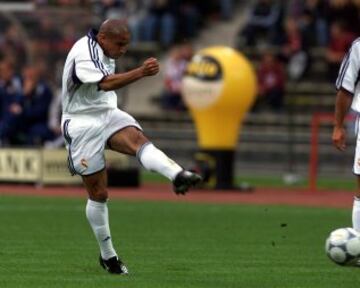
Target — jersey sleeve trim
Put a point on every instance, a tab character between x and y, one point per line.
346	90
344	66
94	55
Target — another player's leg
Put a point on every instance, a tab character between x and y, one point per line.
98	217
356	170
356	208
132	141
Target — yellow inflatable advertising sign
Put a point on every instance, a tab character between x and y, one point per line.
219	88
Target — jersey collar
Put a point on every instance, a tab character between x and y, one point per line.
92	34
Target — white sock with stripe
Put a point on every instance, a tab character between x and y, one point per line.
356	214
154	159
98	217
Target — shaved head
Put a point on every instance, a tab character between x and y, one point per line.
114	37
113	28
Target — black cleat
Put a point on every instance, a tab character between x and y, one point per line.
113	265
184	180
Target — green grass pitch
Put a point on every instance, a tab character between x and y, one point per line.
46	242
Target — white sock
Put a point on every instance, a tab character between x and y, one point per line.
154	159
356	214
98	217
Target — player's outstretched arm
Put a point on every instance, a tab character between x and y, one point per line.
342	105
115	81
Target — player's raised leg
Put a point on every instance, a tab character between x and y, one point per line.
98	217
132	141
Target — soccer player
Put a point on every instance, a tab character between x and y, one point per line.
91	120
348	95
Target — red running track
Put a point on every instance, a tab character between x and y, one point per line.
262	196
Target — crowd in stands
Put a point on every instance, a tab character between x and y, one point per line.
33	50
271	82
174	70
165	21
291	30
25	102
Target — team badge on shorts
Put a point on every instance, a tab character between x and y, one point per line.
84	163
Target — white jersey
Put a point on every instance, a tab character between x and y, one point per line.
86	65
349	74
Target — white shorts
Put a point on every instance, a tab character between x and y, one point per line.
86	137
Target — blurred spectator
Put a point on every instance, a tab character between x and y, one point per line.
226	8
216	9
67	39
111	8
12	45
55	122
173	72
271	83
188	16
340	42
25	105
136	11
133	12
161	18
47	39
10	99
37	97
62	2
346	12
294	50
313	18
264	23
294	8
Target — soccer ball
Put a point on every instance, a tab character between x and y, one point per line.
343	246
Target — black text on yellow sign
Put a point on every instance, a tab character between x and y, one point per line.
205	68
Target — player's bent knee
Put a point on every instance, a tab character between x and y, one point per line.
128	140
98	196
135	135
141	139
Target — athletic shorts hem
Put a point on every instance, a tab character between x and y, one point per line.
92	173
